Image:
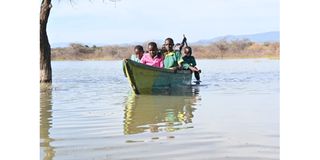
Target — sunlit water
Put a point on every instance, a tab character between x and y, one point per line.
90	113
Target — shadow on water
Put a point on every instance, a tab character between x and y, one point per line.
160	113
47	151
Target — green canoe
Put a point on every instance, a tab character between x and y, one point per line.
146	79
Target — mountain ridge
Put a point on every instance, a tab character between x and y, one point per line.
272	36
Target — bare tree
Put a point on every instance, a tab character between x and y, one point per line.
222	45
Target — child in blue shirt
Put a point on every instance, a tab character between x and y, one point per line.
138	53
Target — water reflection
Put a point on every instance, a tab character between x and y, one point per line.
47	151
189	90
155	113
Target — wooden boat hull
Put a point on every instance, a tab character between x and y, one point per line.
146	79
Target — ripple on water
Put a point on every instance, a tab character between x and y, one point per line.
90	113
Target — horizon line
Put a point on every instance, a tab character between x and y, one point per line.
157	40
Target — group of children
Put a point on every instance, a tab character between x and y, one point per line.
169	56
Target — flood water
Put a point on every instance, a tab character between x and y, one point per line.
91	114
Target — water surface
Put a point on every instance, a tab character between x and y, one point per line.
90	113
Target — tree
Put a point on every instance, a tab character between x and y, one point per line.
222	45
45	49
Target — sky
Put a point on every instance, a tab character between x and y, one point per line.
129	21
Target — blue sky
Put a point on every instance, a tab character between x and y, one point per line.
98	22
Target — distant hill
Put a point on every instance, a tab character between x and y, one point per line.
259	37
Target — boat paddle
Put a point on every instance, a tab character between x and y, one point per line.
185	41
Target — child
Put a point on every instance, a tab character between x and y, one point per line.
163	49
138	50
152	57
172	58
189	63
177	47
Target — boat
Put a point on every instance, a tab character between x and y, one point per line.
146	79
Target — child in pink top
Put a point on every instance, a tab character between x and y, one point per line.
152	58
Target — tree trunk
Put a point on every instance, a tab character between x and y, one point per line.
45	49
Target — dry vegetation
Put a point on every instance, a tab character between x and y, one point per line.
218	50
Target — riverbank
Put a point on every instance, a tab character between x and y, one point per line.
238	49
225	58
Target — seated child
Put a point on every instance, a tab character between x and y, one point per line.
189	63
138	53
173	57
163	49
152	57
